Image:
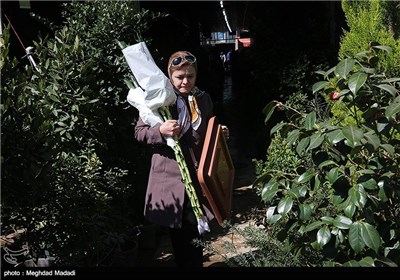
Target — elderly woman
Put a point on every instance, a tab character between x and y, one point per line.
166	202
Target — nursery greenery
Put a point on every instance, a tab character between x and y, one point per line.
344	202
68	159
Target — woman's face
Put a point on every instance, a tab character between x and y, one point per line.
184	79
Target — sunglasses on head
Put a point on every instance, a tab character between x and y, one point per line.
178	60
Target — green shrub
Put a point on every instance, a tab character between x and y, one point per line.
68	159
368	22
346	203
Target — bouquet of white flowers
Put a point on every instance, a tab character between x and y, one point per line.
151	93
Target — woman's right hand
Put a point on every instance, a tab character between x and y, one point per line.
170	128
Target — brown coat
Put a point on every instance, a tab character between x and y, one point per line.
165	190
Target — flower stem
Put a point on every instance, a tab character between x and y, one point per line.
166	115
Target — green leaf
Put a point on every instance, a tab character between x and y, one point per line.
285	205
270	212
315	141
382	194
388	262
277	127
385	48
326	163
344	67
356	81
388	148
305	211
358	196
323	236
305	177
370	236
269	190
342	222
372	139
369	184
333	175
301	147
393	108
274	219
76	43
317	183
349	209
390	89
328	220
310	121
391	80
269	110
292	137
335	136
313	226
319	85
355	238
351	263
367	262
353	135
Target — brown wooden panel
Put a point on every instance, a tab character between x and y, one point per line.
216	171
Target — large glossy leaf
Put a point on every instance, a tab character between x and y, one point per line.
342	222
305	211
270	212
385	48
388	148
323	236
326	163
369	184
269	190
333	175
351	263
313	226
387	262
298	192
285	205
382	125
382	194
317	183
310	121
391	80
315	141
319	85
344	67
358	196
355	238
277	127
373	139
370	236
269	110
393	108
356	81
353	135
367	262
328	220
392	90
292	137
301	147
274	219
305	177
349	209
335	136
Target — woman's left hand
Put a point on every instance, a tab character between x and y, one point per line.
225	131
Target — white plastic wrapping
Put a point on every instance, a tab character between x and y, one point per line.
158	88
